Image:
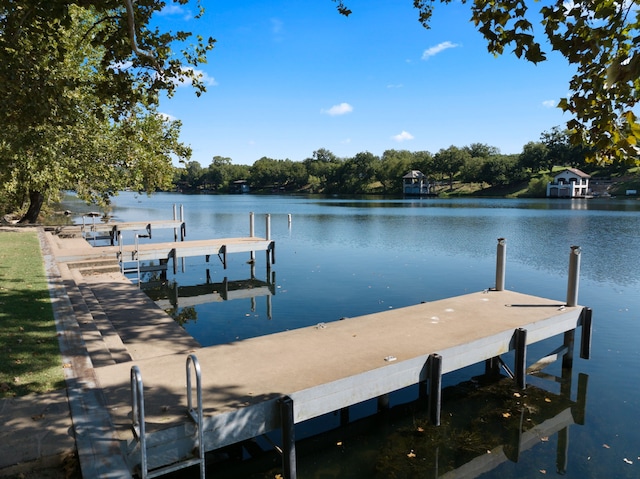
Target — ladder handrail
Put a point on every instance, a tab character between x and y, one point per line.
138	420
135	257
137	416
196	414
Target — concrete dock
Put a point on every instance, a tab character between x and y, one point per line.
326	367
108	327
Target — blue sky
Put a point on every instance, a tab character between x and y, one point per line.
288	77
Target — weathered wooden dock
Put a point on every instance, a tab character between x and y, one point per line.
254	386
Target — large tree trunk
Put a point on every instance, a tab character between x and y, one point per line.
36	199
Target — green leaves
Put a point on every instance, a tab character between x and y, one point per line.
77	102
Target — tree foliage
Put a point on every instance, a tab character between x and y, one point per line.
601	38
79	88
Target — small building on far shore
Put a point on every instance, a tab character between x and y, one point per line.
416	183
570	183
239	186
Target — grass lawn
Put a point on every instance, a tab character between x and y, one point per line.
30	360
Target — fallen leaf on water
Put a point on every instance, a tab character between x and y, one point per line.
606	446
420	429
547	400
517	395
339	443
544	438
506	414
543	471
628	461
278	476
411	455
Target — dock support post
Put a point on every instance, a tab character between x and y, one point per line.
288	438
251	225
434	368
175	230
344	416
574	276
492	367
268	227
580	408
569	340
383	403
521	358
500	263
585	339
562	453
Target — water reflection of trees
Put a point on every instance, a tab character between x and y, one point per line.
183	315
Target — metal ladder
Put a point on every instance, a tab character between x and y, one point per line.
195	413
135	258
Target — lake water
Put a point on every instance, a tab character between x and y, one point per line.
348	257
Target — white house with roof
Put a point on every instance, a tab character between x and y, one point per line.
415	183
570	183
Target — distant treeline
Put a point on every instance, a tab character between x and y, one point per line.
366	173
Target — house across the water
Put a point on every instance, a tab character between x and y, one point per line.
570	183
239	186
416	183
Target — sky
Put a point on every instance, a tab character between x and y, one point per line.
288	77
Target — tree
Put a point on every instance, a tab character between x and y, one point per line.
423	161
601	38
535	157
322	168
79	87
285	174
481	150
501	170
449	161
394	164
560	150
358	173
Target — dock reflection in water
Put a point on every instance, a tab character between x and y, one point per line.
170	296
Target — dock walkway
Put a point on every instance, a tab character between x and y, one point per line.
326	367
261	384
78	249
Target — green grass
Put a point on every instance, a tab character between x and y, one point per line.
30	360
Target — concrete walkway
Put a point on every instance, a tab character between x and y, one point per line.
102	319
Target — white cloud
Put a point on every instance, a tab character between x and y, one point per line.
440	47
202	76
549	103
341	109
175	10
404	136
166	116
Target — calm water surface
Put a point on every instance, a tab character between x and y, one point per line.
344	257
